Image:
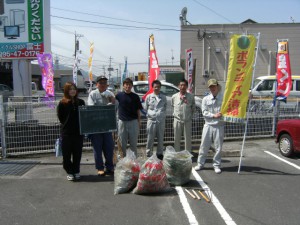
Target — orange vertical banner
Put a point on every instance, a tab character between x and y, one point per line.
90	62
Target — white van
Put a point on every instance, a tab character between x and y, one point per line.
264	86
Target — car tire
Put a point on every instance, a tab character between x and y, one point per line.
286	145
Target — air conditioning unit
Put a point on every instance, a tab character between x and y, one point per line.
205	73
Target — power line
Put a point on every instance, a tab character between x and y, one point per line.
113	18
111	28
213	11
118	25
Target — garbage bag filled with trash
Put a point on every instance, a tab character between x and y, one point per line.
152	177
178	166
126	173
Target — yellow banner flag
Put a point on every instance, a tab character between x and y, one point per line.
241	60
90	61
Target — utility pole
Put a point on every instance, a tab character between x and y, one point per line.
77	36
104	73
117	80
110	69
172	56
120	69
76	61
56	62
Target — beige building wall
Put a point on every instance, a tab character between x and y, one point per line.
210	44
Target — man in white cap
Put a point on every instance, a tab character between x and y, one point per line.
213	129
102	142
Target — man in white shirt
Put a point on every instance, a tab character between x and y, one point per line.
102	142
213	129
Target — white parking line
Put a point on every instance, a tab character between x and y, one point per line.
186	207
226	217
283	160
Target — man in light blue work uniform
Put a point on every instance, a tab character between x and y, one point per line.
213	129
183	104
102	142
156	105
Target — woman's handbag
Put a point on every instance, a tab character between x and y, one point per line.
58	149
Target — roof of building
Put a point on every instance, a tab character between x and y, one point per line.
248	21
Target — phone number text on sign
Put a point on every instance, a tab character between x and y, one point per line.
19	54
20	50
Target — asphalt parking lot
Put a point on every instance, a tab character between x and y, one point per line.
264	192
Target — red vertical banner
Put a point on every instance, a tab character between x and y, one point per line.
284	77
189	69
153	66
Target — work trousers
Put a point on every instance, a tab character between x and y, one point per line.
155	129
215	134
103	143
185	128
128	130
72	151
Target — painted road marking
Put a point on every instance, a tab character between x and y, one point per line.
283	160
186	207
226	217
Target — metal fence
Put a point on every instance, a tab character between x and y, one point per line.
29	126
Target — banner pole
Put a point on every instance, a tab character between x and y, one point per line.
250	101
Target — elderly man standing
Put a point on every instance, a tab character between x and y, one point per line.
213	129
102	142
184	108
156	105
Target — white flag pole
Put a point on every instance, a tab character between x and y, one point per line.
246	125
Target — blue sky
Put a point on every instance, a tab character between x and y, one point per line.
125	37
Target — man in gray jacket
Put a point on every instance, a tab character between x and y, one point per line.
213	129
102	142
183	104
156	105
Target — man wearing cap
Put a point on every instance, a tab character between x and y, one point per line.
102	142
183	104
213	129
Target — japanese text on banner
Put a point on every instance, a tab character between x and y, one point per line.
189	69
46	64
284	77
154	69
241	60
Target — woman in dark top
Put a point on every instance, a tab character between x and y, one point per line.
72	141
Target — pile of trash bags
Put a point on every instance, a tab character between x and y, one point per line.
153	175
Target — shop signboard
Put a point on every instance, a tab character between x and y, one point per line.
22	33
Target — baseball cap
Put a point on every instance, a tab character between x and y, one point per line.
212	82
101	78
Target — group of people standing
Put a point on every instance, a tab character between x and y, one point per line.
129	123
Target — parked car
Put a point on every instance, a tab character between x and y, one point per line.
288	136
141	88
265	86
6	92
